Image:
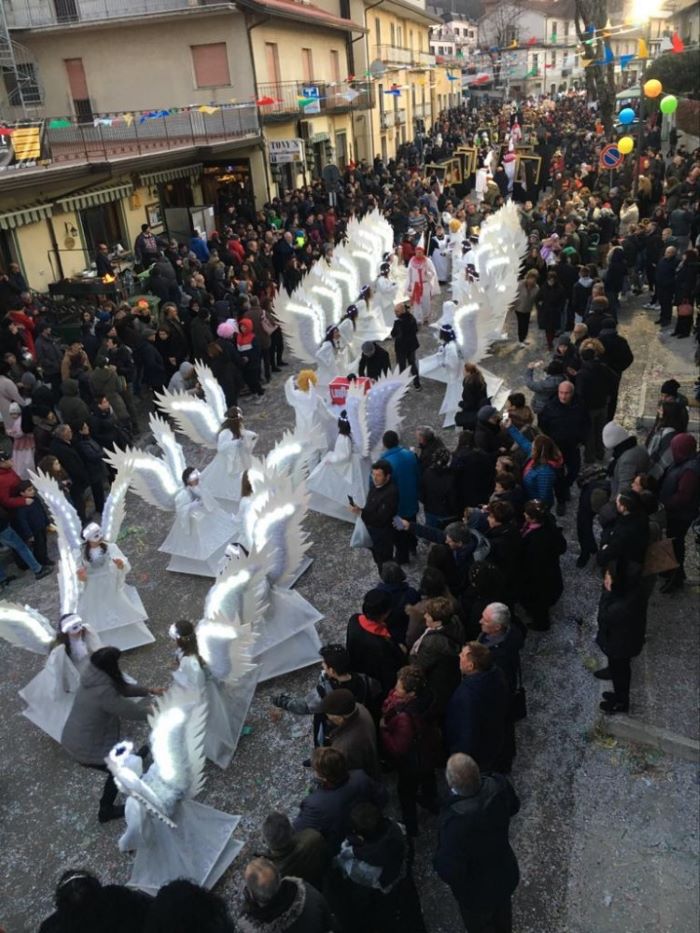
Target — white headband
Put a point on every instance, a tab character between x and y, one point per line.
92	532
72	624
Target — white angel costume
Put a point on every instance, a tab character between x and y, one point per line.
201	421
173	835
110	605
342	472
314	424
201	530
441	258
49	696
422	286
370	323
225	685
255	588
386	295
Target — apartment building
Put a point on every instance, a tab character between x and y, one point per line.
146	112
454	41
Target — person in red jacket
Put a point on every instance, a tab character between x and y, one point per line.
250	355
411	742
26	514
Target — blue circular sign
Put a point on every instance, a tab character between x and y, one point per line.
611	156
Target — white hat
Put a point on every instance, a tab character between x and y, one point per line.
614	434
92	532
448	315
15	408
71	624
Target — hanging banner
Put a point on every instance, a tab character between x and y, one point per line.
311	101
22	145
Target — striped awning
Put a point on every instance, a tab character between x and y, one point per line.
91	197
170	174
25	215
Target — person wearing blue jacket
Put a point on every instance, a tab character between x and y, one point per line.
405	472
543	466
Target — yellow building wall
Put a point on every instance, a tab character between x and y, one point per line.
147	65
33	244
290	39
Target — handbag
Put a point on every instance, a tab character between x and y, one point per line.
659	557
518	702
685	309
360	535
267	325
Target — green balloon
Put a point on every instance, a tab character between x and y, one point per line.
669	104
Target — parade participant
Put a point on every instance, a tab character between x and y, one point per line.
340	477
234	452
422	285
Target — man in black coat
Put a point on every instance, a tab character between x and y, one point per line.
566	421
62	448
375	362
370	647
666	285
405	336
378	513
595	383
618	356
474	856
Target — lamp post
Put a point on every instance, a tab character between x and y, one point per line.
642	100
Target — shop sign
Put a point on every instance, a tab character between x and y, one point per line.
312	98
285	150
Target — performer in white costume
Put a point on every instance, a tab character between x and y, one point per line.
446	365
330	357
342	472
422	285
440	255
110	605
172	834
214	665
201	529
208	422
313	422
369	324
386	292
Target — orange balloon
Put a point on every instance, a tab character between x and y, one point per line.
652	88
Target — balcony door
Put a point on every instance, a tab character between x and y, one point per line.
77	83
272	59
66	11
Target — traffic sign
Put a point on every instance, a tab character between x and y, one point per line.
611	156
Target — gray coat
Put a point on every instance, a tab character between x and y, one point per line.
92	727
628	464
543	388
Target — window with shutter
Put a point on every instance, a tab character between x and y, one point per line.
210	64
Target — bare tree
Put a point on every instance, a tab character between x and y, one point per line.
499	28
600	78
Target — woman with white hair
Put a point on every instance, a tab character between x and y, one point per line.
111	606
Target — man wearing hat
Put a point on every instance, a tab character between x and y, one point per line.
670	393
375	361
352	731
369	643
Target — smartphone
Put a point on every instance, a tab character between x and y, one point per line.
351	500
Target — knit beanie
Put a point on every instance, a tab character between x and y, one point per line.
614	434
340	702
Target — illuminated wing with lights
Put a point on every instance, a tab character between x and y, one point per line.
149	477
213	392
288	458
115	505
225	647
303	325
239	592
326	292
356	410
376	220
383	405
26	628
469	332
172	450
63	513
343	260
278	536
193	416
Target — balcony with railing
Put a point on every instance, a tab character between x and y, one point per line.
422	111
292	99
423	59
118	137
394	55
43	14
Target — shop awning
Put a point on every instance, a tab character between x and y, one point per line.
170	174
91	197
25	215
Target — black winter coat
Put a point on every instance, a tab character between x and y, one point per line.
565	424
473	854
474	474
491	438
437	492
373	655
595	383
621	622
541	579
381	506
624	541
618	355
405	333
474	397
550	304
475	719
376	365
71	461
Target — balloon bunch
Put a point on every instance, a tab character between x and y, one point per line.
652	89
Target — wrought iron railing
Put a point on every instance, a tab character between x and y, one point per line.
307	98
35	14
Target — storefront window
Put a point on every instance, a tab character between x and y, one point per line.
229	187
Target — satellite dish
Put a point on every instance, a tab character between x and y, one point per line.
377	68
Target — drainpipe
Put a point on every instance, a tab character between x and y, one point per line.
54	244
372	6
250	26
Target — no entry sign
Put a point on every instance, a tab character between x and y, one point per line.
611	156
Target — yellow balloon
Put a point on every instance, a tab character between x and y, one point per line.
625	145
653	88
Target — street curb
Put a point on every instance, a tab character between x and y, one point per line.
633	730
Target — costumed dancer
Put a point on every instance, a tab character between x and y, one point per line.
342	474
446	365
314	424
234	455
110	605
210	423
440	255
370	323
330	357
213	664
422	285
386	292
172	834
201	529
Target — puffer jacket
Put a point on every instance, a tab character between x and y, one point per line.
92	727
296	908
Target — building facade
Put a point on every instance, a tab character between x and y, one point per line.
454	41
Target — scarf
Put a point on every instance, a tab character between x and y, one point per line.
417	291
528	527
373	628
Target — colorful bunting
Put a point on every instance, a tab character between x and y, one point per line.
349	95
643	51
677	44
208	110
59	124
625	60
608	57
532	41
266	101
